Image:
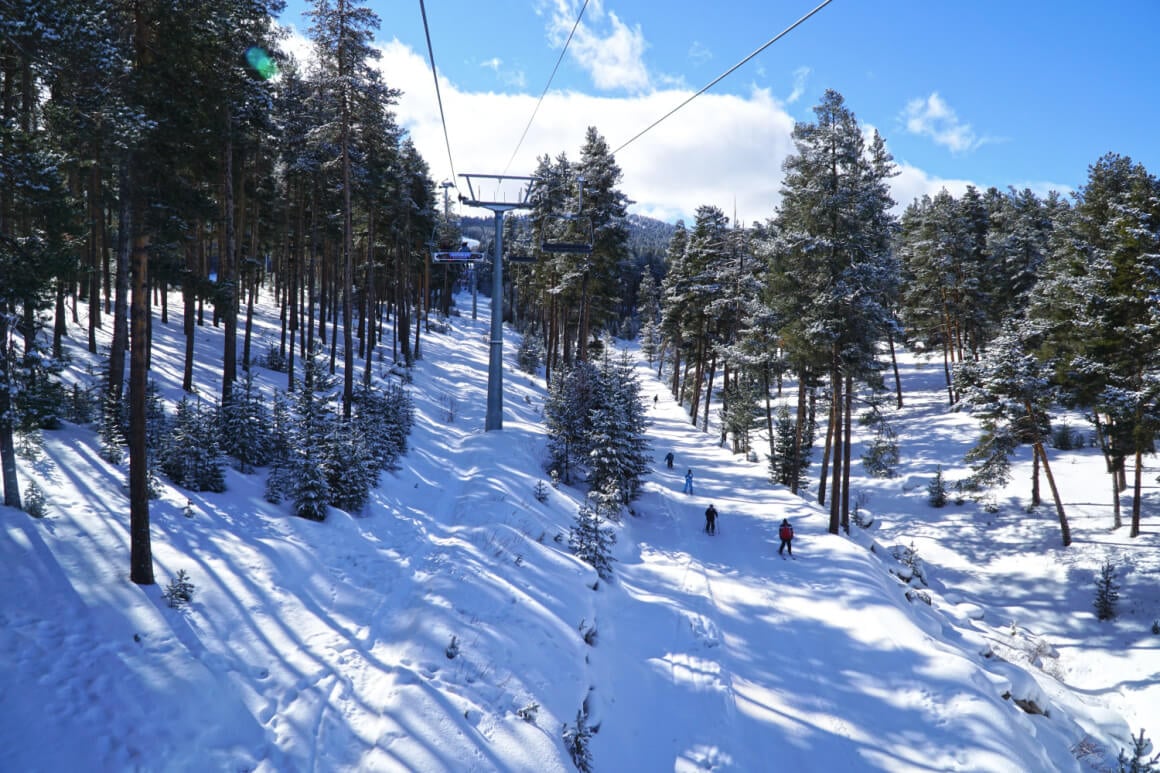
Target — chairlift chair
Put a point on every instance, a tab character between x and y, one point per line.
450	248
567	233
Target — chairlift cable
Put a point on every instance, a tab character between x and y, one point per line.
547	86
724	75
438	95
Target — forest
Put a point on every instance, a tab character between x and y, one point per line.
143	150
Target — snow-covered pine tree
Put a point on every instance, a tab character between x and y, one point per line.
41	395
1096	303
156	436
572	395
281	442
591	541
607	207
1107	592
833	277
782	466
245	426
1010	391
576	740
936	490
741	411
347	78
305	465
351	467
616	433
191	457
1142	759
530	354
881	456
112	429
649	310
676	302
385	417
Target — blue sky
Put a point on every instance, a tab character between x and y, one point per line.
986	92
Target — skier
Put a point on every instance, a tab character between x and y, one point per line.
669	459
711	520
785	532
689	482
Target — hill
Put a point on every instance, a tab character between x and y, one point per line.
448	628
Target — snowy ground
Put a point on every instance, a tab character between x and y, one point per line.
443	628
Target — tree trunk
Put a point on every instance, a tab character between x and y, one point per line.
823	479
1117	518
7	444
708	393
847	429
1064	529
140	550
836	432
1036	500
120	343
798	436
1135	531
894	365
227	273
189	299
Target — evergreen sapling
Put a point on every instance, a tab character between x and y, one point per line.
1107	592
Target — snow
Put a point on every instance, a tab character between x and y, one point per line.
414	635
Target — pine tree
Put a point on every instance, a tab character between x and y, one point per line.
351	468
111	431
191	457
786	466
649	309
1107	592
384	417
245	426
573	394
1096	305
615	433
303	469
881	456
531	351
342	33
832	275
576	740
156	437
1010	392
937	489
1140	761
591	541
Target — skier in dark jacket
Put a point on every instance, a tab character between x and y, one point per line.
711	520
669	459
785	532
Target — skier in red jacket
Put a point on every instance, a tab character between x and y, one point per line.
785	532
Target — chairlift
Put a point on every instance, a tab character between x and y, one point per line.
518	246
451	248
567	233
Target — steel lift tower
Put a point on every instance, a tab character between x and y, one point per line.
521	188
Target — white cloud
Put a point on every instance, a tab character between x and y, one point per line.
610	51
722	150
800	75
699	52
932	117
505	75
716	150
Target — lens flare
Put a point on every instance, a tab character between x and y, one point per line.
261	62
